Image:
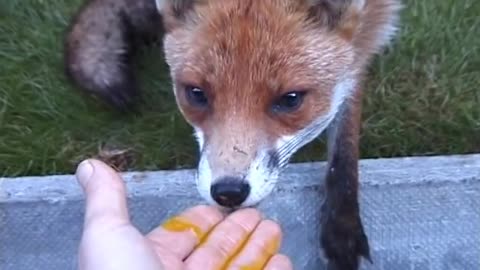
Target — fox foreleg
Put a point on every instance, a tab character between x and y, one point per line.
342	238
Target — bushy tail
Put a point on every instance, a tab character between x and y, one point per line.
99	46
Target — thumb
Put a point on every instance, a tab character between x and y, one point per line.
105	193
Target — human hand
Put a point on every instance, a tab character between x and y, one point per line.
199	238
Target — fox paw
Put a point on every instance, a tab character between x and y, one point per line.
343	240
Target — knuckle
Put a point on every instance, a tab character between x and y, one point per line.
212	214
238	226
226	243
272	227
208	214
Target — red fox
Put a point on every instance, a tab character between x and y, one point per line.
257	80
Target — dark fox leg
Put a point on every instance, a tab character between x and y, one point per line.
343	238
99	46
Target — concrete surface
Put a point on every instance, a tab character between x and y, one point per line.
419	213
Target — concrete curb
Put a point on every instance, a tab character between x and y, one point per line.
419	212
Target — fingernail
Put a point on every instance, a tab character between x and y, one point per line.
84	172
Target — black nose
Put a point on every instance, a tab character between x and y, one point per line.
230	191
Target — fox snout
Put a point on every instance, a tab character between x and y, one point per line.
236	175
230	191
230	187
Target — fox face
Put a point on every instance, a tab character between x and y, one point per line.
258	80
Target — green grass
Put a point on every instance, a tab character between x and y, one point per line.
423	95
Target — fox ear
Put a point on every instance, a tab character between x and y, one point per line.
173	11
343	15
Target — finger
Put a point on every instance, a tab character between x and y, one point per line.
182	233
279	262
105	193
224	240
261	246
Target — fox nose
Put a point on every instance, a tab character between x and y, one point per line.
230	191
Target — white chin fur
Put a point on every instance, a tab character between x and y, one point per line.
204	180
262	180
204	172
200	137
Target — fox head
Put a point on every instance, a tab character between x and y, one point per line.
258	80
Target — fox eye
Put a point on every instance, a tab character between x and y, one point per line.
196	96
288	102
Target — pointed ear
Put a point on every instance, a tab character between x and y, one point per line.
173	11
341	15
